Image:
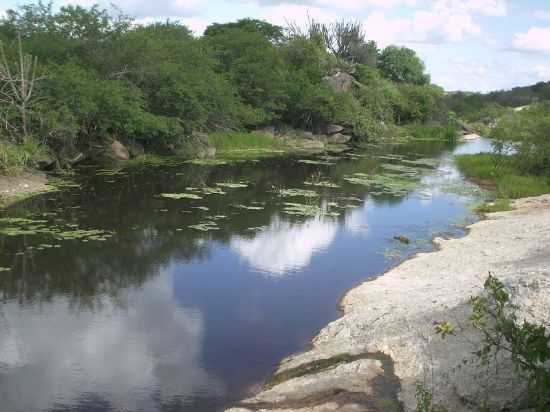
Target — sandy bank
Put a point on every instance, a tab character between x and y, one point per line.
14	188
395	314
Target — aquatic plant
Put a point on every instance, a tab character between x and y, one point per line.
181	196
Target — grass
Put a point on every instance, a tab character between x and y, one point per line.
501	175
420	131
236	141
499	205
16	158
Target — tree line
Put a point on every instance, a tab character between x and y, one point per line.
77	77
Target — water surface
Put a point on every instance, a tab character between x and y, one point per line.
115	298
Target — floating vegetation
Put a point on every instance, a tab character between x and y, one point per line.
60	183
300	209
402	169
246	207
256	228
423	162
92	234
21	226
315	162
217	217
322	183
110	172
297	192
181	196
207	162
205	226
212	191
230	185
205	208
388	183
2	269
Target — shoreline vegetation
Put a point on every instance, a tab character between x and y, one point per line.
91	85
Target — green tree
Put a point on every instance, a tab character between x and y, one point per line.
402	65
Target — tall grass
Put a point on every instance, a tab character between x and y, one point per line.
420	131
15	158
503	175
225	142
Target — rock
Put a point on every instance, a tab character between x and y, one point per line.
79	157
470	136
312	144
119	151
46	162
135	148
402	239
340	82
197	146
308	135
338	138
334	128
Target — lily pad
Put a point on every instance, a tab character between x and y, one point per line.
315	162
205	226
230	185
297	192
322	183
181	196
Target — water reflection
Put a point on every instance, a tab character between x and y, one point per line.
285	246
164	317
135	356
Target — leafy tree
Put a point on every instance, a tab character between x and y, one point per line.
267	30
402	65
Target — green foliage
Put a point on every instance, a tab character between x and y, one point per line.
527	132
502	174
102	77
243	141
15	158
402	65
424	400
444	329
527	343
499	205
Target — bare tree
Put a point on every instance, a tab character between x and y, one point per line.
17	86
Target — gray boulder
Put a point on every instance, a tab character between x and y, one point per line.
340	82
334	128
338	138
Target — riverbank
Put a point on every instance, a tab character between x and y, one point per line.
395	314
16	188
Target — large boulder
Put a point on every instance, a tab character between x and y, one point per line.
119	151
334	128
197	146
338	138
340	82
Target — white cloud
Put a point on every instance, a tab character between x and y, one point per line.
127	356
295	13
284	247
536	39
147	8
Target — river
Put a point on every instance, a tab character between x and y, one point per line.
178	287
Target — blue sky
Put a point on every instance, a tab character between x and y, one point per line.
468	45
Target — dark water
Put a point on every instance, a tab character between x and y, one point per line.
147	314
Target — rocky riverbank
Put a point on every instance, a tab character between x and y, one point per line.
15	188
395	315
